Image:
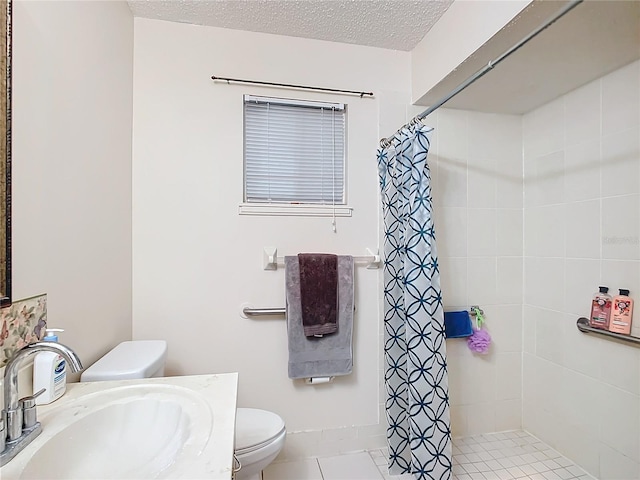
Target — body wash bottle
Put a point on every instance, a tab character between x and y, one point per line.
601	309
622	313
49	372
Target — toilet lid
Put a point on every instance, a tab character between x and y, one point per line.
255	428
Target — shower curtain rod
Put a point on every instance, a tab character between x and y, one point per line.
289	85
386	142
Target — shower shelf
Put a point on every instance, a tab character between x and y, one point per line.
583	326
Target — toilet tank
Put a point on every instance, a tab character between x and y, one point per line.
133	359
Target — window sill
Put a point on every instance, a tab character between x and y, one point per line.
287	210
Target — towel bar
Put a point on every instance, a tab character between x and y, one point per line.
263	312
584	327
271	260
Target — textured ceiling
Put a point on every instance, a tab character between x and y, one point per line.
393	24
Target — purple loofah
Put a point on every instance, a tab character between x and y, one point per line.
479	341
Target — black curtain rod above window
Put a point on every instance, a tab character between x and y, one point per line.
303	87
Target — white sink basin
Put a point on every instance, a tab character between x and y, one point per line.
126	432
129	430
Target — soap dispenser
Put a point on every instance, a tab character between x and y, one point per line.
49	372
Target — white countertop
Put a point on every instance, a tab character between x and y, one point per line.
210	398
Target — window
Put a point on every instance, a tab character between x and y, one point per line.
294	152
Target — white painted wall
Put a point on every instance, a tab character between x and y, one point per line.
196	261
464	28
72	109
192	248
582	230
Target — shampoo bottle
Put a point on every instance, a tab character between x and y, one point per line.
622	313
49	372
601	309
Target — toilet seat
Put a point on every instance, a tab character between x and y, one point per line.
255	429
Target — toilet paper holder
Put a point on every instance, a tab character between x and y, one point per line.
318	380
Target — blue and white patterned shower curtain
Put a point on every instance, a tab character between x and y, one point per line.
416	382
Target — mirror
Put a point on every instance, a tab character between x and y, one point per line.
5	153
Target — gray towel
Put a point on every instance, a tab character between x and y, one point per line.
330	355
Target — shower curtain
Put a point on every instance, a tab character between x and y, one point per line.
417	400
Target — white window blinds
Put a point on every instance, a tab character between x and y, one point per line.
293	151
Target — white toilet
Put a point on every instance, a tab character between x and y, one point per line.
259	438
260	434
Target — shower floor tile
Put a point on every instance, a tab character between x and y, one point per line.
500	456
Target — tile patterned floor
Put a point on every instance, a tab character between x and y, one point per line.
496	456
502	456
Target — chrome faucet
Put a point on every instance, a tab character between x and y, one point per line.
18	423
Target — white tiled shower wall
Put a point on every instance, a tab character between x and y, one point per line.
476	166
582	230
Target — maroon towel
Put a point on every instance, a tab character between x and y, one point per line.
319	293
